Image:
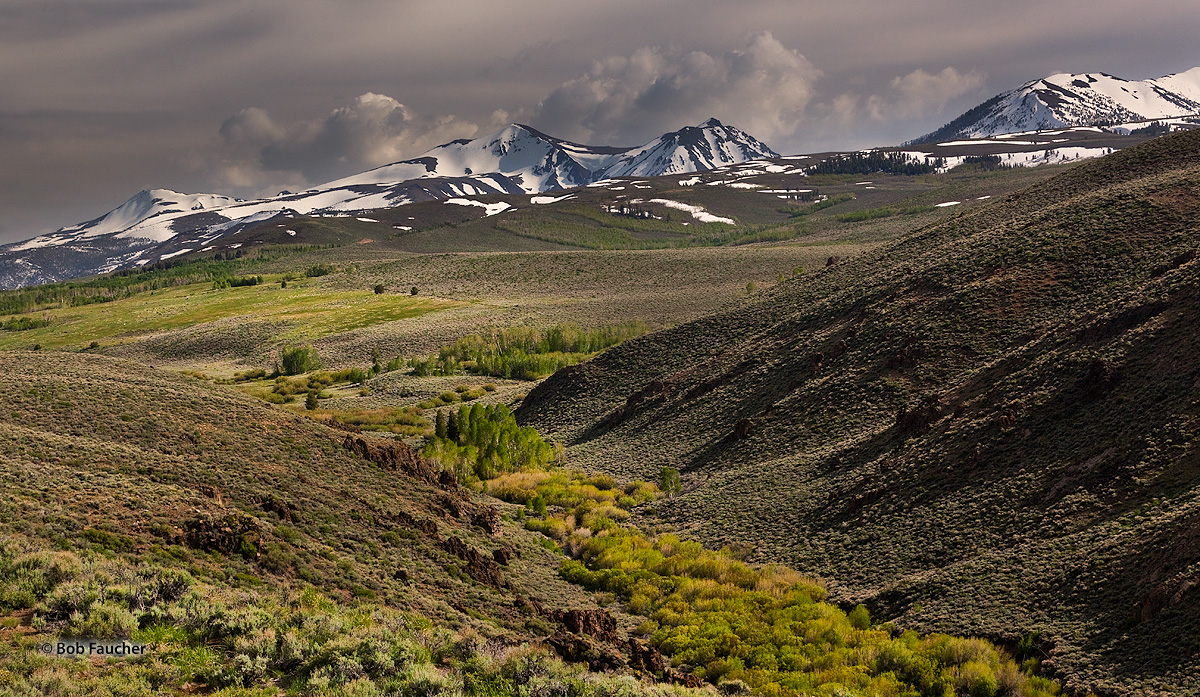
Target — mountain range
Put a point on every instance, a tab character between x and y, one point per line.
1088	99
159	224
516	160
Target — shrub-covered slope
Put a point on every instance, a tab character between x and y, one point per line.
102	454
255	551
258	553
986	427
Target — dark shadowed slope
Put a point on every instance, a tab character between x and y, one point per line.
987	427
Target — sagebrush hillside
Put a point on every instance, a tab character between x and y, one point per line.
155	465
988	427
253	550
255	553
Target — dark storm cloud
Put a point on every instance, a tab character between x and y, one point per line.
100	98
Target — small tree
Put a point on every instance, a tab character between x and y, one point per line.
668	481
859	617
379	289
442	430
413	291
298	359
310	401
751	287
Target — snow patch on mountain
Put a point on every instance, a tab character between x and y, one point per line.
696	212
489	208
1025	158
543	200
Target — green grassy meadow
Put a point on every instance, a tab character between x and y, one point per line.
305	309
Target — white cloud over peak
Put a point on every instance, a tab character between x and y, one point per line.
920	93
762	88
372	130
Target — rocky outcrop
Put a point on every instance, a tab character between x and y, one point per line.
583	649
398	457
286	510
488	518
598	623
233	533
481	568
424	525
646	658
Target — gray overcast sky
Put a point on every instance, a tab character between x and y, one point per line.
102	98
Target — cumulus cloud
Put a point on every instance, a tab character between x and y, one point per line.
373	130
762	88
920	93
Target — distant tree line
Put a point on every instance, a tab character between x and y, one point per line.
988	163
20	324
633	210
1158	128
876	162
523	353
232	282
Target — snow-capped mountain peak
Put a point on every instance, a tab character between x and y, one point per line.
534	161
537	162
146	205
691	149
1086	99
146	216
